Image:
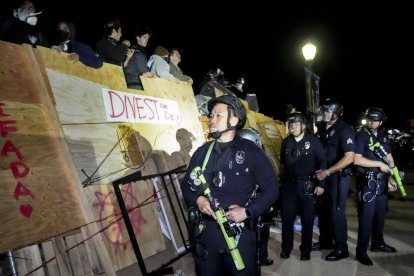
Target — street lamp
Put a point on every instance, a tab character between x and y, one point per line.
309	52
312	85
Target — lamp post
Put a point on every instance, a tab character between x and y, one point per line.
312	85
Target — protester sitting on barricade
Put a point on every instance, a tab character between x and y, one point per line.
65	41
159	64
137	65
175	59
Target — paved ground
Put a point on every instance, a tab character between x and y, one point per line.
399	232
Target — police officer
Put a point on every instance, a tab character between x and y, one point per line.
371	148
301	156
263	223
338	140
231	167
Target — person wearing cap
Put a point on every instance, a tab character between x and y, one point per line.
338	141
109	47
301	155
372	182
158	64
231	167
137	65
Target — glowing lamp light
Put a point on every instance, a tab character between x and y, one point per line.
309	51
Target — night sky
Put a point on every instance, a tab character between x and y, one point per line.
364	57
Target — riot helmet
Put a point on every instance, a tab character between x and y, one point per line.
375	114
233	103
295	117
330	105
252	135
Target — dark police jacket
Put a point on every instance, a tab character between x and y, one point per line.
232	174
337	140
302	158
362	141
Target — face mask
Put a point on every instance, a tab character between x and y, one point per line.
32	20
62	36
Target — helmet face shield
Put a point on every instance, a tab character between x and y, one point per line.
332	107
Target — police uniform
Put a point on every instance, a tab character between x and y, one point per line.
300	160
336	140
232	171
372	185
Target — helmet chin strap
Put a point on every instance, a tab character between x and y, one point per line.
217	134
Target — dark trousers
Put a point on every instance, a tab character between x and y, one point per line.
371	217
218	262
333	227
264	239
294	201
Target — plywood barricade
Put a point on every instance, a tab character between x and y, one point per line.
37	191
61	152
65	140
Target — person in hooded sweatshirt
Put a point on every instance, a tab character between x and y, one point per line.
65	41
137	65
158	63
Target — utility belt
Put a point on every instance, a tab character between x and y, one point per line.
369	174
248	223
308	183
376	175
291	179
370	184
344	172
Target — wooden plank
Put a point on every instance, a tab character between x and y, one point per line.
49	253
111	75
74	256
90	252
87	269
34	260
61	256
38	193
20	261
